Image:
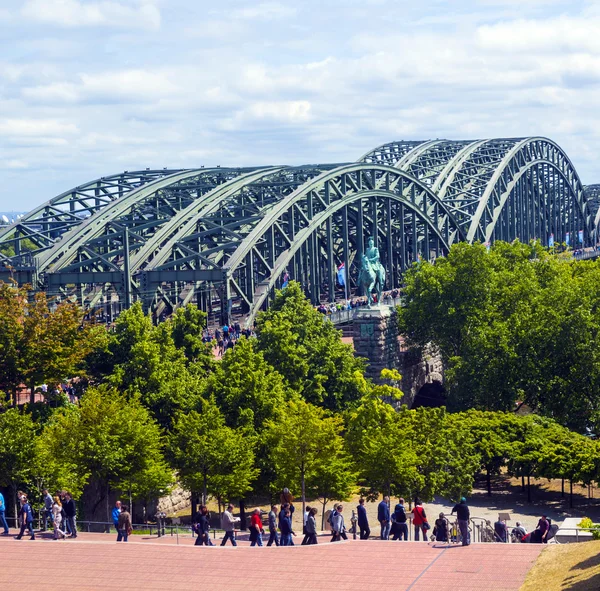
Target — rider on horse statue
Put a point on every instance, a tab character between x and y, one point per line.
372	273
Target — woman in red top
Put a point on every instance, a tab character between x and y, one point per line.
420	520
256	528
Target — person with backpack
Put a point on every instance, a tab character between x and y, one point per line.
273	535
26	519
202	527
420	520
124	525
399	527
463	514
363	522
383	516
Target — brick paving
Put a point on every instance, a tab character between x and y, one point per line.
97	562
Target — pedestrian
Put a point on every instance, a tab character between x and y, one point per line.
57	519
420	520
518	532
3	515
463	514
203	527
115	514
540	533
70	513
304	520
383	516
311	527
363	522
256	528
500	531
399	526
285	526
124	526
338	529
25	518
440	529
228	523
47	509
286	497
273	535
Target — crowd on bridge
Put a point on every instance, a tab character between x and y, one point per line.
351	304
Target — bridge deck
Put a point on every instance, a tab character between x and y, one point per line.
95	561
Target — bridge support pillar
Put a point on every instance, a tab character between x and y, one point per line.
376	338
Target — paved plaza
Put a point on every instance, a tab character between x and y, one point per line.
96	562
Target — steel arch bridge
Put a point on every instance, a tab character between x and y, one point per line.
168	237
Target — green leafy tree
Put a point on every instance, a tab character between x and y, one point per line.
211	457
108	440
17	451
308	351
304	442
187	326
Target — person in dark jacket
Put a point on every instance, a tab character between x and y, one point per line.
363	522
311	527
500	531
203	527
70	513
440	529
383	516
124	526
285	527
399	526
463	515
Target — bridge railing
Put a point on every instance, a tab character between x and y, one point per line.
347	316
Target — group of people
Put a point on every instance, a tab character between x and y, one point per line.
122	521
226	337
350	304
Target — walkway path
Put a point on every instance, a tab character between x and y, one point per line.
96	563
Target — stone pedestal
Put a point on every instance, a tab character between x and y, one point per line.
376	338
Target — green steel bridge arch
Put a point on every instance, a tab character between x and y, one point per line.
166	237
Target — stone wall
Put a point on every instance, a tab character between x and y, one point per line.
178	500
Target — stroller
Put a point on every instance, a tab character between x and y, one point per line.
535	536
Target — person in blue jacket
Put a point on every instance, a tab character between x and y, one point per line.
285	527
383	516
3	515
363	522
115	514
26	518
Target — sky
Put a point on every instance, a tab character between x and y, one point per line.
91	88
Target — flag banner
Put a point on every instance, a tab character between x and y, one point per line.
580	236
551	241
568	239
341	274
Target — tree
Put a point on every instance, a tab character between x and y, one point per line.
108	439
17	451
211	457
187	327
308	351
304	442
12	308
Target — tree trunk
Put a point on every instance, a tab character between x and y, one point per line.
242	515
571	494
205	489
303	495
194	504
562	488
108	520
489	482
32	394
528	489
523	482
323	514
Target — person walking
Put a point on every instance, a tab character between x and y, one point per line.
57	519
463	514
47	509
399	527
338	529
285	527
203	527
25	518
304	520
3	516
273	535
286	498
363	522
420	520
115	514
228	524
70	513
124	526
311	527
256	528
383	516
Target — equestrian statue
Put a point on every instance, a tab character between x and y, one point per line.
372	274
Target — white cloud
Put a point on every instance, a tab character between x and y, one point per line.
73	13
36	128
265	10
